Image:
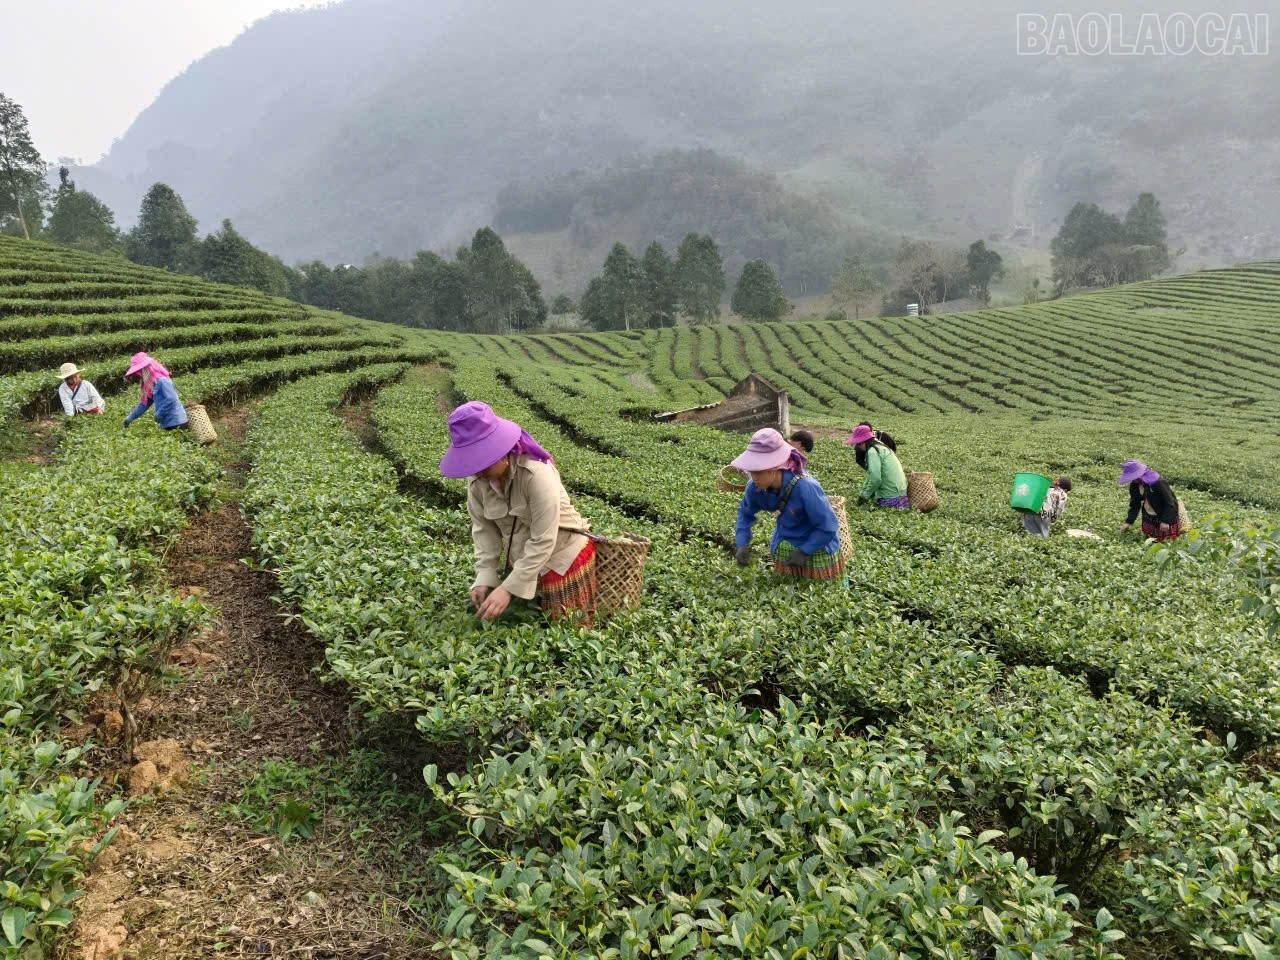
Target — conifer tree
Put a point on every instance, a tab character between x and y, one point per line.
758	294
165	235
699	277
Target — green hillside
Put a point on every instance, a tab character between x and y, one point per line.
980	746
58	304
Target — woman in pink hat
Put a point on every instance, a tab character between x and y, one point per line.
886	482
158	391
519	507
806	539
1151	495
888	441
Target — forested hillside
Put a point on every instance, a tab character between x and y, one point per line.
667	196
918	119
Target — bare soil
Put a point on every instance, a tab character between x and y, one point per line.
742	349
641	381
31	441
358	417
695	359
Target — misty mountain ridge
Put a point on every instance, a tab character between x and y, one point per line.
390	126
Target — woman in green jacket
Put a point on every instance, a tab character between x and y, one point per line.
886	483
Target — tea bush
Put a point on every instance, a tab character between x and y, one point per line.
81	608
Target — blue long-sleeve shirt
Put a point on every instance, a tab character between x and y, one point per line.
808	523
170	412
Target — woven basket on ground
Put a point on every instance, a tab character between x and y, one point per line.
921	491
842	524
731	480
619	570
201	425
1183	520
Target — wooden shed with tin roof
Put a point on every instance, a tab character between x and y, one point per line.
753	403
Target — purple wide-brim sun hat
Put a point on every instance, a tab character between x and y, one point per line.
1130	471
861	435
768	450
480	438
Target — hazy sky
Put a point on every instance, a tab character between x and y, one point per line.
83	69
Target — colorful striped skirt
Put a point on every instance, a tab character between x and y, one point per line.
896	503
1151	528
821	566
572	593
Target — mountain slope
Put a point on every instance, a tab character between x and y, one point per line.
389	125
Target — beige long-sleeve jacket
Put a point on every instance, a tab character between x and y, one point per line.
533	514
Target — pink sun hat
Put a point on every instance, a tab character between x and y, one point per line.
479	439
141	361
861	435
768	450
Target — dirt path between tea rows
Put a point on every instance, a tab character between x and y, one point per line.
243	728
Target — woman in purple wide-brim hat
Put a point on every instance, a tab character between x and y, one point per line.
1151	495
806	538
529	540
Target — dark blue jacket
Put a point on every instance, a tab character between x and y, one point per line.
170	412
808	523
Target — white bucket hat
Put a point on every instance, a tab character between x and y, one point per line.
68	369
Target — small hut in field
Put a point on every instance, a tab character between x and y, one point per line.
753	403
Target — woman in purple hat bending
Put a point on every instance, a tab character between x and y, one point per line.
529	539
806	540
1151	495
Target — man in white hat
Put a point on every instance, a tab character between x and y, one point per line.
77	395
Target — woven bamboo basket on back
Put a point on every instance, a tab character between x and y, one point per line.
921	492
201	425
731	480
620	563
842	524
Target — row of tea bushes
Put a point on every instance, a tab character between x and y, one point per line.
82	608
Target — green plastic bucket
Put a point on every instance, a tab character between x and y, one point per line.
1029	490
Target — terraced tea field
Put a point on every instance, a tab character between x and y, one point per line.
980	746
